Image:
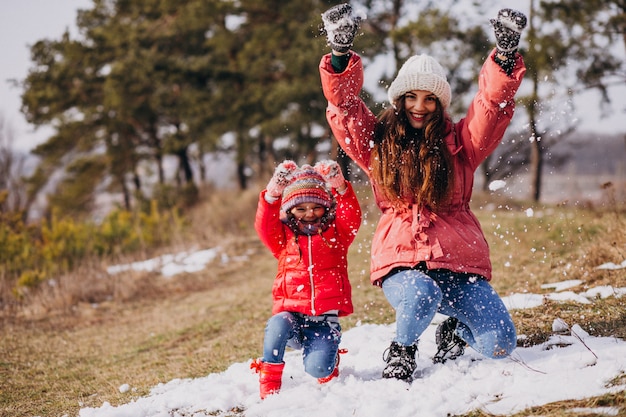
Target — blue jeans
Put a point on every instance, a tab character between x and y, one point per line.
319	340
484	322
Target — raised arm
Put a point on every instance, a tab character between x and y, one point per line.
491	111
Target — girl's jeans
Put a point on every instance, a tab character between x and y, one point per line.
319	339
484	322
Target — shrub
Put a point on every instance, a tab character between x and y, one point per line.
30	255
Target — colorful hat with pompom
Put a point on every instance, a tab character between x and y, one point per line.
307	186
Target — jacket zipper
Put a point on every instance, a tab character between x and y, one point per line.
310	268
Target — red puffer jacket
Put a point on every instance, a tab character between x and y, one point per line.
451	238
312	275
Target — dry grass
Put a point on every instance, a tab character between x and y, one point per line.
74	344
181	328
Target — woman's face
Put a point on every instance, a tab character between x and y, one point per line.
418	105
309	213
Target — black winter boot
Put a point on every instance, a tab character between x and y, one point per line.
400	361
449	345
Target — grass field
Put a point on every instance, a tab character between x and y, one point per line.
143	329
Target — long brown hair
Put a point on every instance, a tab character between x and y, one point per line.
412	165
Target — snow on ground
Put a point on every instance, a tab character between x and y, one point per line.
570	365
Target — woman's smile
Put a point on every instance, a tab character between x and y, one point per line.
419	118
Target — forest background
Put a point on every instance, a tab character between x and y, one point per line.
154	101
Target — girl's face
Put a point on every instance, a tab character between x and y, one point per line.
308	213
418	104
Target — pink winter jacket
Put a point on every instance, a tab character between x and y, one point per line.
451	238
312	275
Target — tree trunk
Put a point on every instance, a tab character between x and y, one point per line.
241	175
266	157
536	163
484	168
136	180
184	165
125	192
201	164
536	151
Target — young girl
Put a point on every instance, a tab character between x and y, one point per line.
429	253
308	227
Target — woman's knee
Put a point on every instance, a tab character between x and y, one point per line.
507	342
412	288
499	343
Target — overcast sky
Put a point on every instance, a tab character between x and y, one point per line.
24	22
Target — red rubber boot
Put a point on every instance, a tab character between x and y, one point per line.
270	376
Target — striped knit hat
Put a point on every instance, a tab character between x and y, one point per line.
307	186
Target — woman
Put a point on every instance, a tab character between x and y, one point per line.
429	253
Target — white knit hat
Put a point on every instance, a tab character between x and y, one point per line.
421	72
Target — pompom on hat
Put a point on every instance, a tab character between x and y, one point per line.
421	72
307	186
